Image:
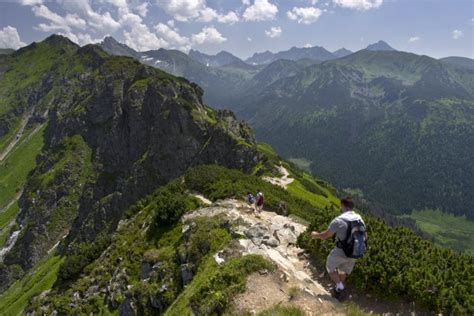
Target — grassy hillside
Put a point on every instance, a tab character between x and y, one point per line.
454	232
40	279
13	175
16	166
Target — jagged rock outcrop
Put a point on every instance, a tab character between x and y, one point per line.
140	126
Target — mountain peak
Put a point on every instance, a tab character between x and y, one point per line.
58	40
110	39
342	52
380	45
222	58
114	47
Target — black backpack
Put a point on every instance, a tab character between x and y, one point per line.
355	244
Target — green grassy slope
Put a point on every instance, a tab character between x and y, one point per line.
13	175
40	279
450	231
16	166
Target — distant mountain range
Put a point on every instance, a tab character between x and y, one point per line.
394	124
224	58
400	115
294	53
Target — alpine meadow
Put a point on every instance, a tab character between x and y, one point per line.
254	157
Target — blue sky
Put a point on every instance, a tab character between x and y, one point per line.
437	28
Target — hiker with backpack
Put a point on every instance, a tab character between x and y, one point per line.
351	237
250	199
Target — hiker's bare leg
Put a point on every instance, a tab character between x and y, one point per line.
342	276
335	276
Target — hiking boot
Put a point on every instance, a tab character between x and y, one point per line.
338	294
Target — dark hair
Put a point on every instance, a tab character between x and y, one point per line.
347	202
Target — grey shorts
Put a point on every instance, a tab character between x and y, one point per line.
338	260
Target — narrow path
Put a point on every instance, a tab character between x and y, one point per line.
274	237
19	133
283	181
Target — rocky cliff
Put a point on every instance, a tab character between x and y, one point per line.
116	131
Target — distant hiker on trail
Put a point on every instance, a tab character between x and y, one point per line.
250	199
260	201
351	238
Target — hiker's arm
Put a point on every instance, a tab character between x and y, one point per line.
323	235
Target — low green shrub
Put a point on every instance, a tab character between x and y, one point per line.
283	310
214	296
170	202
83	254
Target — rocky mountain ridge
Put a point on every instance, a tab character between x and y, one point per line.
116	130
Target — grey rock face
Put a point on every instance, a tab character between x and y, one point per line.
143	129
186	274
270	241
128	308
145	270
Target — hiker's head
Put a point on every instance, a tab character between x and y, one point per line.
248	193
346	204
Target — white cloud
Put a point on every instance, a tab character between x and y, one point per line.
273	32
457	34
142	9
172	37
188	10
313	2
307	45
30	2
9	38
57	22
249	39
207	15
305	15
246	2
208	35
136	34
414	39
75	21
260	10
359	4
182	10
231	17
102	22
140	38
